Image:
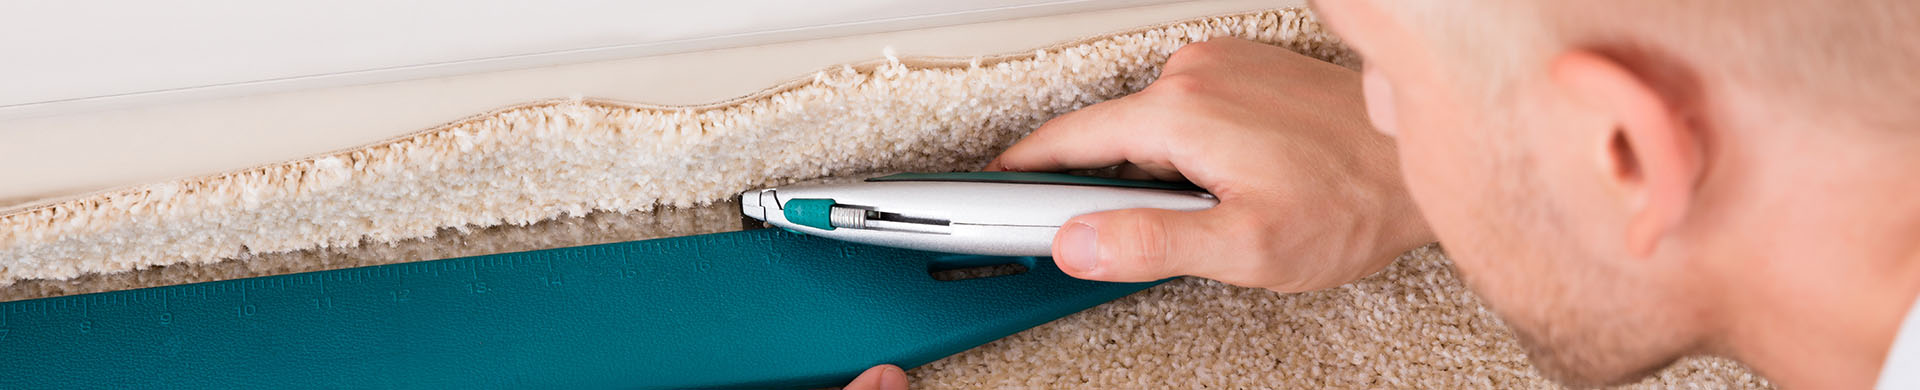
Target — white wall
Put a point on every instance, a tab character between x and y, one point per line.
63	56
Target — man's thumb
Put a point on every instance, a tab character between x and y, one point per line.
1133	245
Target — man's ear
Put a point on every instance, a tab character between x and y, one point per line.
1653	159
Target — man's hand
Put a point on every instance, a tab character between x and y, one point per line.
1310	196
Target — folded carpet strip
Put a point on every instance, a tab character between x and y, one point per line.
584	171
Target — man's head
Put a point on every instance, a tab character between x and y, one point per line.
1581	160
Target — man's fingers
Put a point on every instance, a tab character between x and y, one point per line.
881	377
1138	245
1094	137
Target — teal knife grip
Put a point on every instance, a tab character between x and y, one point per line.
753	309
813	213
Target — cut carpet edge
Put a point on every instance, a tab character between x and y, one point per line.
536	161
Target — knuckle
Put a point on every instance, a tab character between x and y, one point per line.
1147	244
1203	51
1180	85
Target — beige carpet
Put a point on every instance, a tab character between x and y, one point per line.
1412	326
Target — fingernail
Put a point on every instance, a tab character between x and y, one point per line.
1079	248
893	378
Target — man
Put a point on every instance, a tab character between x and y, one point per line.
1625	183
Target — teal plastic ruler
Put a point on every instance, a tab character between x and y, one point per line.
751	309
